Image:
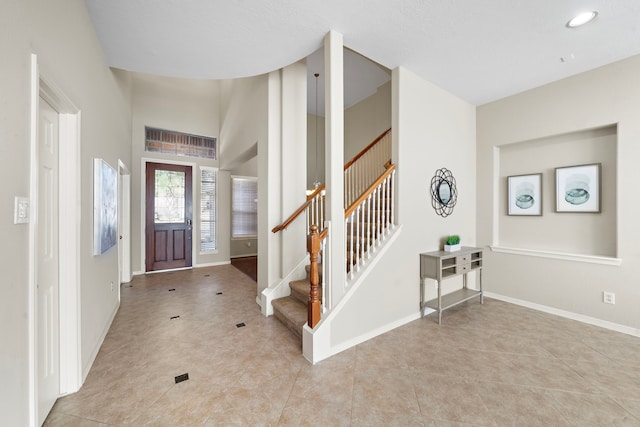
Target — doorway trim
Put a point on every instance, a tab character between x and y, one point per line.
124	224
143	209
69	226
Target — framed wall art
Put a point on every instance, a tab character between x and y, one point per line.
105	206
525	195
578	188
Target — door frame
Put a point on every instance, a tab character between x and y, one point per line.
69	226
143	208
124	224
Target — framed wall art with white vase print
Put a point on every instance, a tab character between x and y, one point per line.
578	188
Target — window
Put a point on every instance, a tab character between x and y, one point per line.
244	207
169	196
178	143
208	210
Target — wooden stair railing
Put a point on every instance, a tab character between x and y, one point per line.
314	200
314	245
366	166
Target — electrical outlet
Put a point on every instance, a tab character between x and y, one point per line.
111	286
608	297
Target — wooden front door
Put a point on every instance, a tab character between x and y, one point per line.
169	216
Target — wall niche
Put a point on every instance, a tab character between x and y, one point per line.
591	234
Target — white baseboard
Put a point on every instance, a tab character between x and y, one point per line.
362	338
567	314
281	289
209	264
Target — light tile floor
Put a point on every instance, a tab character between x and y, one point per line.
486	365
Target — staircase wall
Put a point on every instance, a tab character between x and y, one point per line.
431	129
281	189
366	120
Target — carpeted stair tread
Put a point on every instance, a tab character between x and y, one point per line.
307	268
291	312
300	290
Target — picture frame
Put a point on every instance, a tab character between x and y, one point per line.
578	188
524	195
105	206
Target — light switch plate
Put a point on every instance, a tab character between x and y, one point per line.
21	211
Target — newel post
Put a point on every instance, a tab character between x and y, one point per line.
313	247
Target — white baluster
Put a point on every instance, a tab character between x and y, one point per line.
323	246
393	222
321	208
385	191
379	217
357	237
350	252
368	236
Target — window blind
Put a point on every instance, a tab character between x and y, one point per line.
244	207
208	210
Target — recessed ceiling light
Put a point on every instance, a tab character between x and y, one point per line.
582	19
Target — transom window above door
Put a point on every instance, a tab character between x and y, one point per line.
179	144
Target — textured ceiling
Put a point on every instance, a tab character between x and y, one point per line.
479	50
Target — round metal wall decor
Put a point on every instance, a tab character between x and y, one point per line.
444	193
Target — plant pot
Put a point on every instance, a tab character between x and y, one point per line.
452	248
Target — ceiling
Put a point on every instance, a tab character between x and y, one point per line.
479	50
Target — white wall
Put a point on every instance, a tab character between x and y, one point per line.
294	154
315	149
182	105
366	120
431	129
243	117
243	130
606	96
363	122
61	34
561	231
282	190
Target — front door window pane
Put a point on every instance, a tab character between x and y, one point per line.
169	203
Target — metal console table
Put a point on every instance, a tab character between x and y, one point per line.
440	265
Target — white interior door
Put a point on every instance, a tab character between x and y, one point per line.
47	262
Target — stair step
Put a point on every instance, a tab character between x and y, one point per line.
291	312
307	268
300	290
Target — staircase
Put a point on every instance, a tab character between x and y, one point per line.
292	310
369	218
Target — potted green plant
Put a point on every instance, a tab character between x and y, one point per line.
452	243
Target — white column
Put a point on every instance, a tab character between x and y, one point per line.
294	162
395	137
269	184
334	155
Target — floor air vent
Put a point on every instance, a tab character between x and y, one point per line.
182	377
